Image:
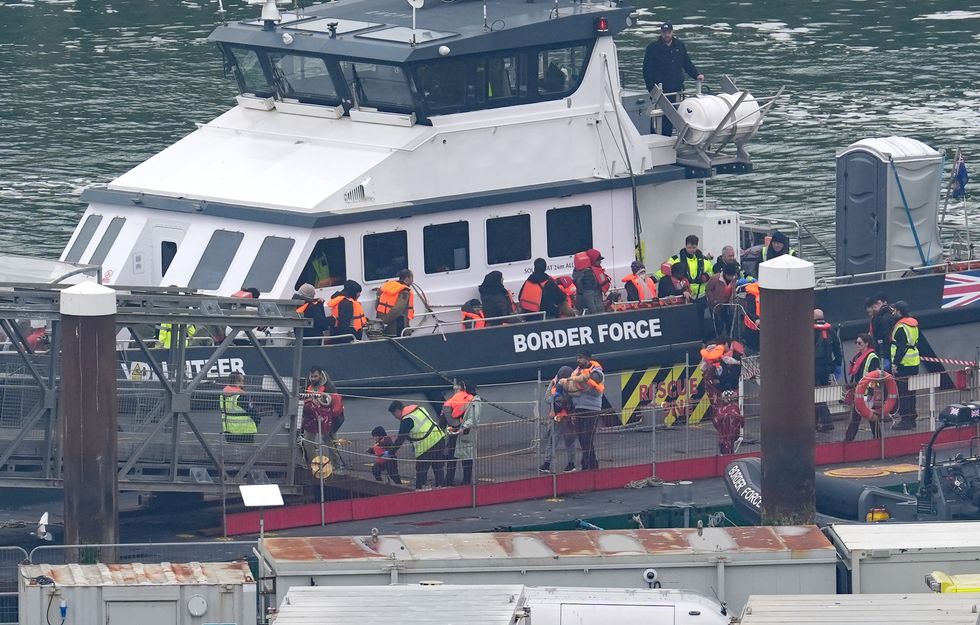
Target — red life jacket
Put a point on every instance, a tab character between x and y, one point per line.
824	329
581	261
567	286
602	278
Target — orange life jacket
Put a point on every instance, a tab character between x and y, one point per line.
388	297
587	372
602	278
567	286
639	284
473	320
824	329
714	354
358	321
458	403
753	289
301	309
531	294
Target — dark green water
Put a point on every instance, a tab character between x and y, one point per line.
89	88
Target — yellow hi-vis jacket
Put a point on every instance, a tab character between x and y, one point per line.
425	432
234	419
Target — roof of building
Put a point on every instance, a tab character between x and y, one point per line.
772	542
406	605
163	574
918	608
932	536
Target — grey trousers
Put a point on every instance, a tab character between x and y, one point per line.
559	433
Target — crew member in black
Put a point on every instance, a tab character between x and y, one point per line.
664	63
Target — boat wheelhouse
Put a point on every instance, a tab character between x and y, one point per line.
456	139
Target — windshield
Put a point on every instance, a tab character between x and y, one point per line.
305	78
379	86
248	71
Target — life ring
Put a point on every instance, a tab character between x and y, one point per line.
888	401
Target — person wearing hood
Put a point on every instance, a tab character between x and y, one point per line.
540	293
640	287
497	300
347	310
313	308
905	362
591	281
778	246
721	293
695	265
827	356
559	424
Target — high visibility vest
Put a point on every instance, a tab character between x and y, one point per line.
458	404
765	253
358	321
321	271
234	419
473	320
911	327
531	294
165	336
388	297
648	283
695	269
587	372
425	432
301	309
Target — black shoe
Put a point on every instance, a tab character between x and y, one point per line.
825	428
904	425
545	468
569	468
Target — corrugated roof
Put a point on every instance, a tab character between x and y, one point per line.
550	545
918	608
954	535
404	605
163	574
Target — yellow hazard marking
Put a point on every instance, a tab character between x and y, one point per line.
902	468
667	388
866	472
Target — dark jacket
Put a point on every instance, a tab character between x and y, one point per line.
588	294
496	298
881	330
666	65
552	297
323	323
827	355
667	288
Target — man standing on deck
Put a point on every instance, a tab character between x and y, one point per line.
905	363
664	63
429	440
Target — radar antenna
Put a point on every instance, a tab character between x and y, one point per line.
270	12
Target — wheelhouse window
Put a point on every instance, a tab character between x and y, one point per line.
304	78
216	260
385	254
560	70
248	71
326	266
168	250
446	247
107	241
503	78
83	239
268	263
380	86
445	84
569	230
508	239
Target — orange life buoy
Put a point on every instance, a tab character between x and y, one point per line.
888	401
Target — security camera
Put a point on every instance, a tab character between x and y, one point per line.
650	576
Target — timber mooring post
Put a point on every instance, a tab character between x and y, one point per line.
786	355
89	414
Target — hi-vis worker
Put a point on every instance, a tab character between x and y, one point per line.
586	386
460	413
429	441
347	311
777	245
640	287
540	293
905	363
695	264
396	303
166	333
239	423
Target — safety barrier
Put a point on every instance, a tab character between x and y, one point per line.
10	559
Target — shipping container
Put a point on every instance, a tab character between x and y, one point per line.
195	593
890	609
896	557
429	604
728	563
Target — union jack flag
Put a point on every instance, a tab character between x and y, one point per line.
961	289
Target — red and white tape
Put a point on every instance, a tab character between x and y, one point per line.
950	361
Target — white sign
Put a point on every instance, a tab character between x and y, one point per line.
224	367
587	335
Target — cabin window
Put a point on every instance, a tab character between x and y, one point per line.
168	250
108	240
268	263
305	78
569	230
502	77
508	239
385	254
84	237
326	266
248	71
216	260
447	247
385	87
444	85
560	70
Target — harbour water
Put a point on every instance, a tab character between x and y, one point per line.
89	88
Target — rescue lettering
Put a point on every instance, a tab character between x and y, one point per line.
584	335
